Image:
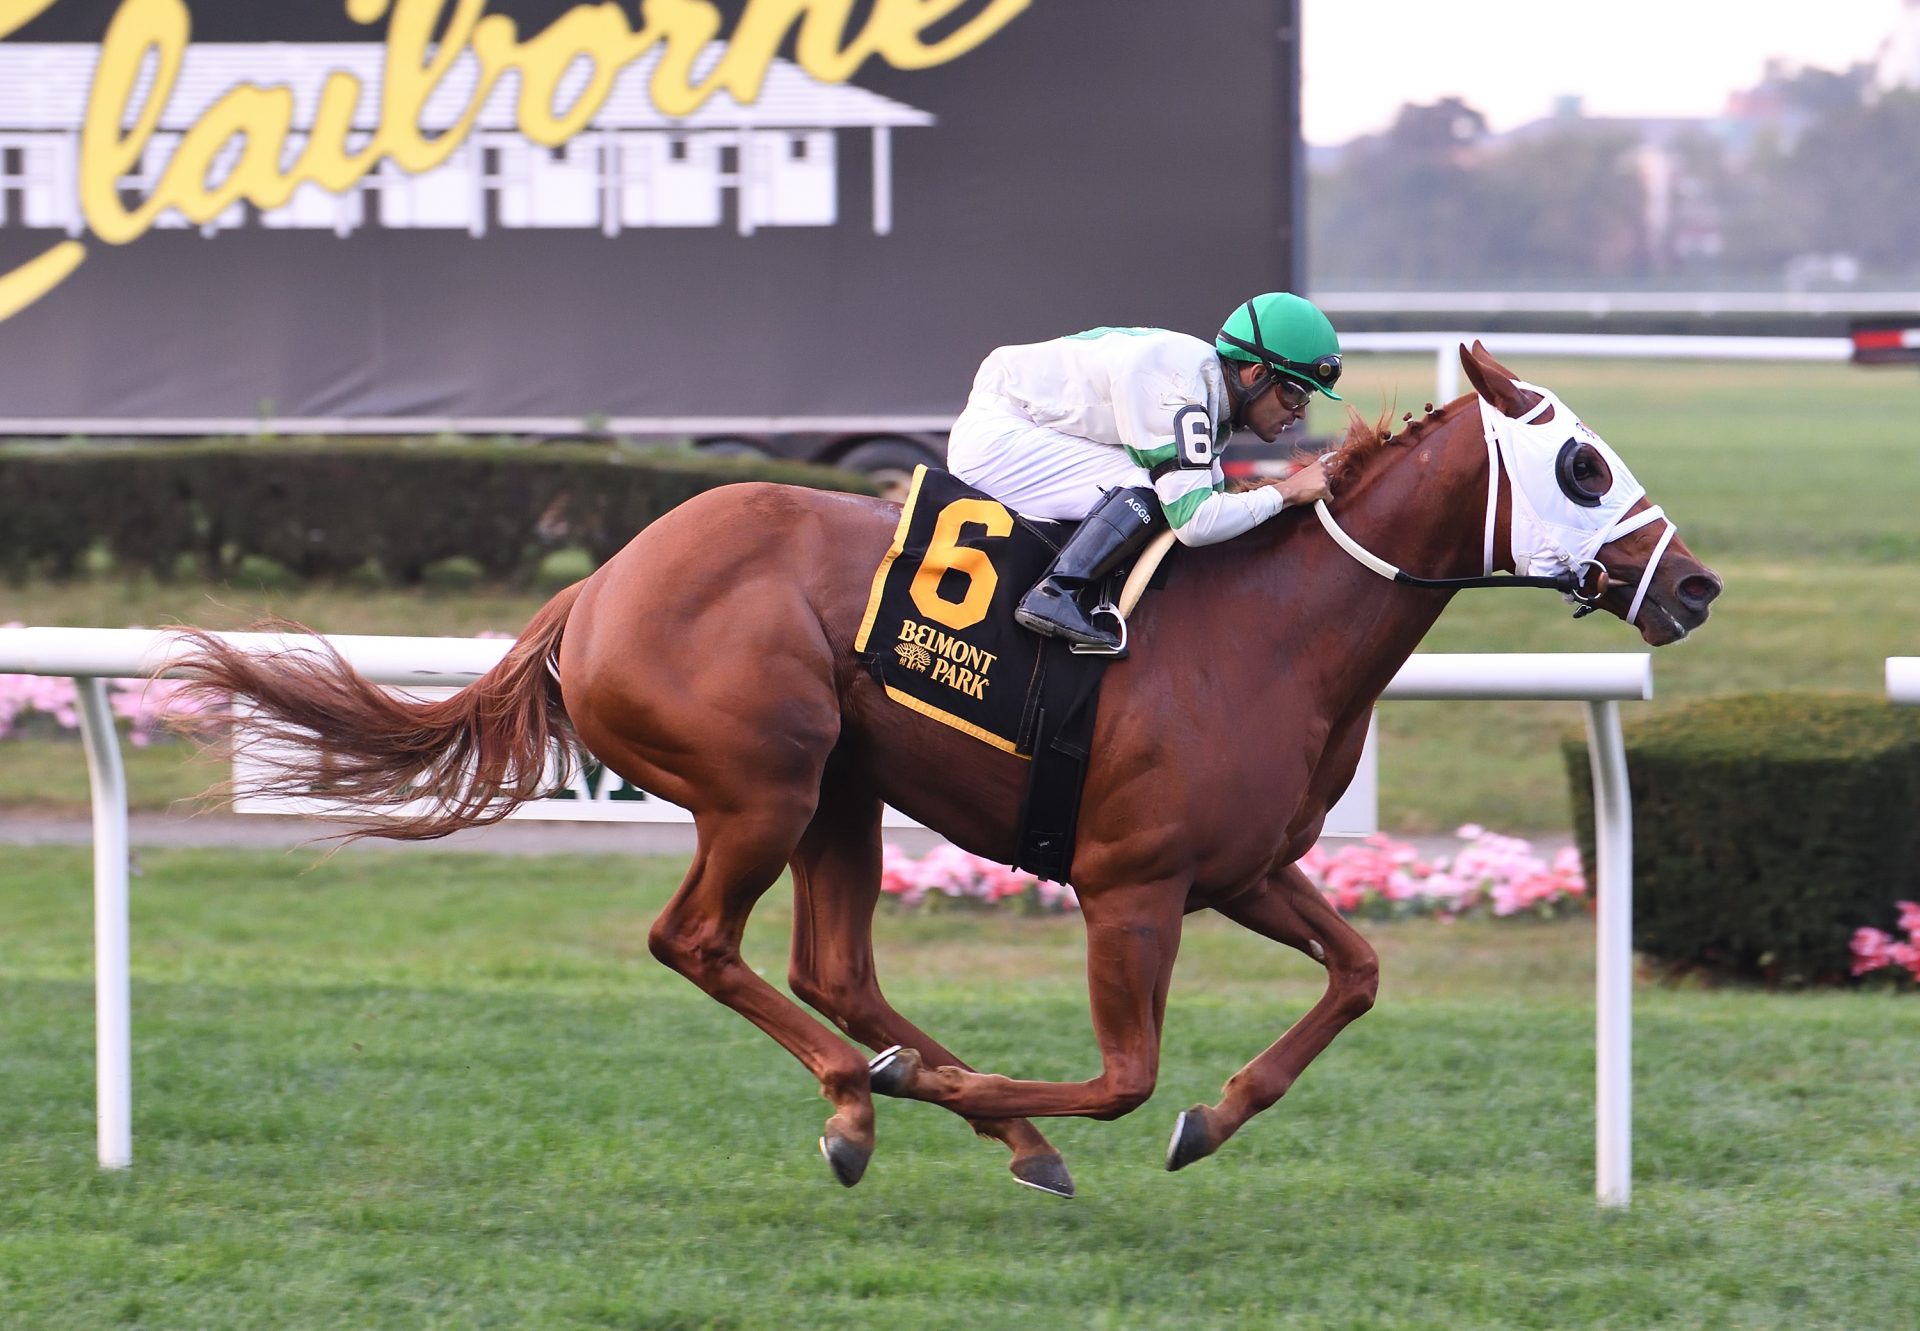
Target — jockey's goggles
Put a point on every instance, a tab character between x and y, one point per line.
1321	373
1294	395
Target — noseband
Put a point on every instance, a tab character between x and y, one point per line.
1568	582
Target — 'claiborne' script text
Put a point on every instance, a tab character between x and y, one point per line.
424	39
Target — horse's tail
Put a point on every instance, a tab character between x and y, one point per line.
318	727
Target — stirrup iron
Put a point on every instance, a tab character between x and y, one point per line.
1108	608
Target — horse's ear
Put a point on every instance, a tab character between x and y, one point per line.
1494	381
1486	357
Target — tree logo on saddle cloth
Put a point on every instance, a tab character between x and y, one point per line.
939	634
957	664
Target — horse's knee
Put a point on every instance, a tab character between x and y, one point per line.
1123	1092
698	954
842	1001
1359	984
666	943
811	989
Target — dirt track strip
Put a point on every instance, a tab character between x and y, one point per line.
512	838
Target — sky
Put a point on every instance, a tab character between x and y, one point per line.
1509	59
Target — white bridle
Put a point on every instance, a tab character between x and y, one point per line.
1551	531
1555	538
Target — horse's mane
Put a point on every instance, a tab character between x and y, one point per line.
1364	441
1347	461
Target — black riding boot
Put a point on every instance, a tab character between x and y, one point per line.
1119	526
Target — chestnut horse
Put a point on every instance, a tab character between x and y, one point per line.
711	663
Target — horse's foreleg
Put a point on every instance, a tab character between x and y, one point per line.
1133	935
836	885
1290	910
698	934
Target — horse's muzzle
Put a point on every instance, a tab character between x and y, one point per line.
1696	592
1679	607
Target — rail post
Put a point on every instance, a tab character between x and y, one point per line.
1613	958
1903	679
112	929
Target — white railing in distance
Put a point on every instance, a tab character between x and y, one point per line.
150	653
1598	304
1903	679
440	662
1444	347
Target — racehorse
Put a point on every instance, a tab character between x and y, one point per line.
711	664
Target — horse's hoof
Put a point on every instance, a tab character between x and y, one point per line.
892	1070
1048	1173
1191	1139
847	1160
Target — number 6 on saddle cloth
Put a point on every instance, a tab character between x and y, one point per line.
939	637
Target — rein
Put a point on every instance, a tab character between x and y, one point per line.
1568	582
1560	582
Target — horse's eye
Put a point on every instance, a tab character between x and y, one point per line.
1583	477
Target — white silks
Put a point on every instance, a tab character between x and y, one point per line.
1552	532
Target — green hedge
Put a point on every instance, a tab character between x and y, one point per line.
325	508
1767	827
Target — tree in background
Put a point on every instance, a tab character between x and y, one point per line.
1435	198
1566	204
1849	184
1809	164
1403	206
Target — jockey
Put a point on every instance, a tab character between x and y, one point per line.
1123	426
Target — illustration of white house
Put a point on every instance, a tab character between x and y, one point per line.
772	163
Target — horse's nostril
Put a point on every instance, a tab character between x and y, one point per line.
1696	591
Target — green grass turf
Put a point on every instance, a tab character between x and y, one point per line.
1798	483
453	1091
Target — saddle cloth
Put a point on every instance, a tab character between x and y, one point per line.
939	637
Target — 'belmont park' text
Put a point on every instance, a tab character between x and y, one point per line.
424	39
959	665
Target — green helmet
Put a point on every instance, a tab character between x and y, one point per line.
1287	334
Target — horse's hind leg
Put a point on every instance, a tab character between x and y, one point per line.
1290	910
1133	934
740	855
836	884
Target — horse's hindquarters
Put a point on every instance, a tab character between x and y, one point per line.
703	661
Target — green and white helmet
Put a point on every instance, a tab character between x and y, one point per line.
1287	334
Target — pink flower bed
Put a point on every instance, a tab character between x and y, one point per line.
947	874
1876	949
1379	878
144	704
1492	874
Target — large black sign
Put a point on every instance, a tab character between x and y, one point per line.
663	215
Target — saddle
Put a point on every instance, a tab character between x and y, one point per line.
939	637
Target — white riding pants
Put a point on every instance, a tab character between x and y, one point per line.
1030	468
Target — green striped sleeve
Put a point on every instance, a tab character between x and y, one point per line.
1181	511
1152	457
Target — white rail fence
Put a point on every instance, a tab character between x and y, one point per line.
92	656
1599	304
1903	679
1444	348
